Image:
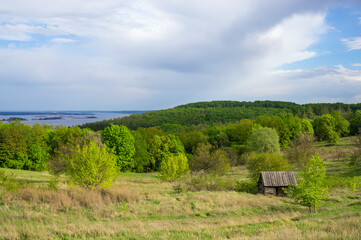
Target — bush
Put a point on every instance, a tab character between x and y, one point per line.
264	140
256	163
301	150
352	183
246	186
209	160
91	166
8	183
174	167
202	181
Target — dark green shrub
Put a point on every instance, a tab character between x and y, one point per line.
247	186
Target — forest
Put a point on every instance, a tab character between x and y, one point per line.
217	112
143	142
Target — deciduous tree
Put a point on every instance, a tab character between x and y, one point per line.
208	159
312	188
173	167
256	163
264	139
121	141
91	166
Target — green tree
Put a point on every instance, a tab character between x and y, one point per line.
239	132
301	150
63	142
355	123
306	126
264	139
13	147
38	149
121	141
160	147
342	125
192	139
313	187
256	163
217	137
141	157
208	159
325	128
173	167
91	166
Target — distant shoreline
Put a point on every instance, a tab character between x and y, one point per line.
65	118
68	112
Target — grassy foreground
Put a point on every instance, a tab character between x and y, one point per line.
140	206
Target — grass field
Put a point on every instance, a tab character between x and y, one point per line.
140	206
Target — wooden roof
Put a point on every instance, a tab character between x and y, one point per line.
278	178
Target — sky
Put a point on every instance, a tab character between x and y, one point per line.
153	54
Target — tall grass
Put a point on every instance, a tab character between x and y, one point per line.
140	206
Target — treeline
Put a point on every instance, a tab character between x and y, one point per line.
224	112
39	147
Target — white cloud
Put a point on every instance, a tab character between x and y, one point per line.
153	54
319	84
63	40
352	43
356	64
23	32
11	45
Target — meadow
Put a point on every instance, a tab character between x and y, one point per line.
35	205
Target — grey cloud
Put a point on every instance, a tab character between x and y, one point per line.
156	54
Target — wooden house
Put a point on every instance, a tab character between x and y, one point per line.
273	182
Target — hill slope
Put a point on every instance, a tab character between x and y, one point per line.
221	112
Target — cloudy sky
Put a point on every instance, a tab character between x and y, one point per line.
153	54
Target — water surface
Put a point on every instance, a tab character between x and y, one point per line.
65	118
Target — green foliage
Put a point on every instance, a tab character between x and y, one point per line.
353	183
13	146
342	125
161	147
312	188
355	160
202	181
355	123
306	126
325	128
191	114
216	112
173	167
63	137
91	166
248	186
8	183
256	163
172	128
333	138
63	142
54	183
121	141
264	139
192	139
239	132
301	150
287	126
176	144
207	159
38	157
217	137
141	157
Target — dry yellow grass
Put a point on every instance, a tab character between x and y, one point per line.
140	206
